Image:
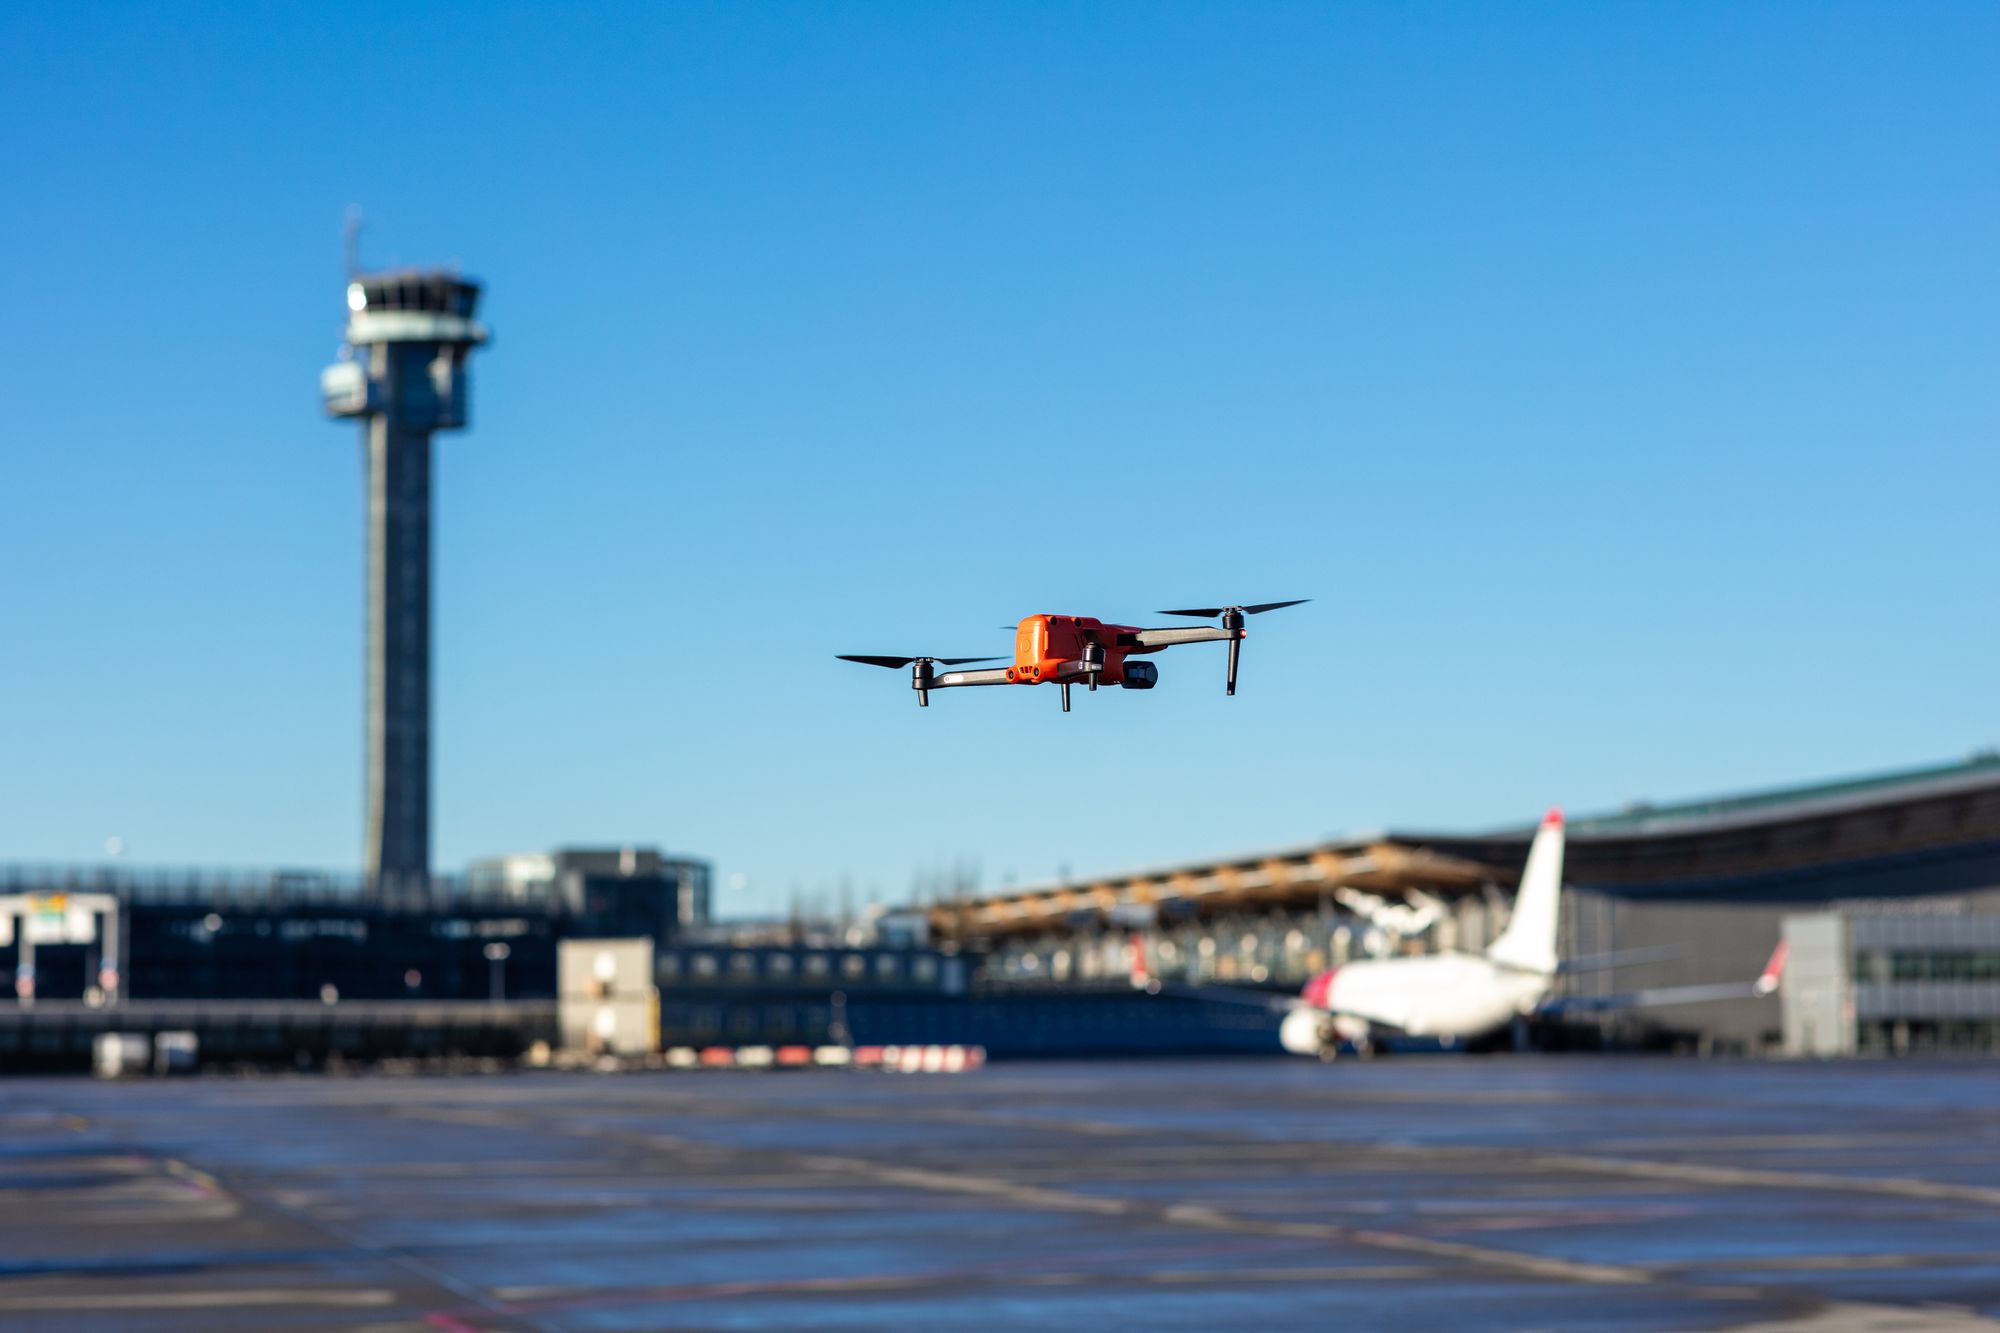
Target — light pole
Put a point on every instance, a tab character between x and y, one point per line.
836	1030
496	972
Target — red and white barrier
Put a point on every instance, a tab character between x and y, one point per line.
895	1059
930	1059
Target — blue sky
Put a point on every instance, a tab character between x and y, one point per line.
1619	380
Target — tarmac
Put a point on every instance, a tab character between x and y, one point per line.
1437	1193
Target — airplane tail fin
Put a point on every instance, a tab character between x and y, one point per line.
1529	942
1774	971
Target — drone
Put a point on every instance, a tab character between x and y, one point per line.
1063	650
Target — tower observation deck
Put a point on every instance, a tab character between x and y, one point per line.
403	374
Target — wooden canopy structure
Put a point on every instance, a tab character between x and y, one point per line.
1909	833
1296	878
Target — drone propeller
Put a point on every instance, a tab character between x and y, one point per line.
894	662
1207	612
1232	619
920	669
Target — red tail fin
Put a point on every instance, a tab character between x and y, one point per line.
1774	971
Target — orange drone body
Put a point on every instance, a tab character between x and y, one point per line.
1043	644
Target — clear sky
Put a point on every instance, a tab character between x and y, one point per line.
1622	381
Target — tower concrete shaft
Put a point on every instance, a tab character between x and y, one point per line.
403	374
398	838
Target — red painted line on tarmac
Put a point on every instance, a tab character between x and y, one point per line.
440	1320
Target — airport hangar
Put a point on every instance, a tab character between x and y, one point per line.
1887	885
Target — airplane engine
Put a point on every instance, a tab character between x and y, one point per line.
1349	1028
1139	675
1303	1032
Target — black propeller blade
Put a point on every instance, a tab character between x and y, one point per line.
921	674
906	661
1210	612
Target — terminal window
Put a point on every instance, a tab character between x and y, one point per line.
1880	965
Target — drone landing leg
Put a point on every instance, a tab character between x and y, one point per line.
1232	620
1064	687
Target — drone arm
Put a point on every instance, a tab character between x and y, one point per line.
1167	638
1077	669
945	680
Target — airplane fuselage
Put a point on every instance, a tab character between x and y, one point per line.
1436	995
1450	996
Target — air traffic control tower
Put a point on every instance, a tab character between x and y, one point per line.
403	373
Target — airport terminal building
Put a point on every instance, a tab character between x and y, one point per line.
1701	891
1921	980
1724	880
1887	888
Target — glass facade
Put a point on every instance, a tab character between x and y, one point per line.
1921	981
1927	965
777	968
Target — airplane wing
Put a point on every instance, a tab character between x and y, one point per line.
1596	962
1661	996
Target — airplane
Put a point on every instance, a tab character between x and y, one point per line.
1062	650
1399	920
1459	997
